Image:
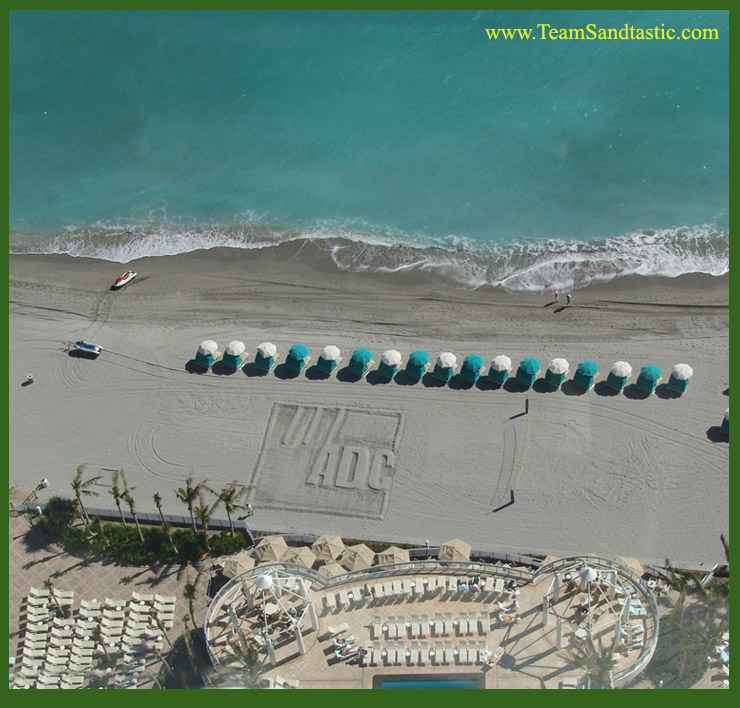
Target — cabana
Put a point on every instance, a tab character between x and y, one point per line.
445	366
648	379
586	373
389	362
680	377
235	355
619	375
500	369
266	356
556	372
528	371
360	361
297	358
725	427
207	354
328	359
472	368
418	364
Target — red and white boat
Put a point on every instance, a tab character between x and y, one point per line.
125	279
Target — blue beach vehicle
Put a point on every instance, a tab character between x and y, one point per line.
297	358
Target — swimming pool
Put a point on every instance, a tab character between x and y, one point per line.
429	681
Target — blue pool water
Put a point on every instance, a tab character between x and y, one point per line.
429	684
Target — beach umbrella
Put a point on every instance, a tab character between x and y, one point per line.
302	555
471	367
357	557
417	364
393	554
649	378
529	369
680	377
556	372
327	548
207	353
725	427
331	569
586	374
297	358
500	369
445	366
237	564
329	359
265	357
390	360
234	354
455	550
271	549
619	375
360	361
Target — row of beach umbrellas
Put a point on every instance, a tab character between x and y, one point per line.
331	552
361	360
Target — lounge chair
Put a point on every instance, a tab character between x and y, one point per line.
417	365
401	626
208	354
424	652
330	602
400	651
483	652
343	642
439	652
329	359
449	656
424	625
462	623
347	653
414	649
406	584
235	355
448	624
266	356
375	656
485	622
462	651
472	622
298	357
438	624
398	587
452	584
360	362
472	368
338	629
445	367
377	627
570	682
390	652
390	361
343	598
392	627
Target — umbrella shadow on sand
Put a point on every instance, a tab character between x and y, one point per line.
714	435
193	367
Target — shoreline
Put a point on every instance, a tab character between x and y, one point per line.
641	476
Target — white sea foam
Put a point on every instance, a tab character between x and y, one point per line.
526	266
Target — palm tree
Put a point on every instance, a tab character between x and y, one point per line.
598	662
48	586
81	488
204	513
231	497
132	506
188	592
117	493
165	526
189	495
97	526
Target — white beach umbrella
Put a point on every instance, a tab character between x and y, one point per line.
727	415
357	557
501	363
271	548
454	550
327	548
235	348
237	564
393	554
682	372
621	369
331	569
302	555
391	357
208	347
330	353
558	366
446	360
267	350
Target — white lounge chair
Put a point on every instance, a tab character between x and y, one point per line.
462	623
438	624
338	629
401	627
439	651
424	652
415	625
400	652
424	625
448	624
485	622
392	627
414	649
377	627
472	623
449	655
407	589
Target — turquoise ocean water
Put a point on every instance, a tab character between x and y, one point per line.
394	140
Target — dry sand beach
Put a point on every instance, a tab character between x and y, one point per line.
613	475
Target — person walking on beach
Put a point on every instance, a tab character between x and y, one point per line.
567	301
556	295
526	405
